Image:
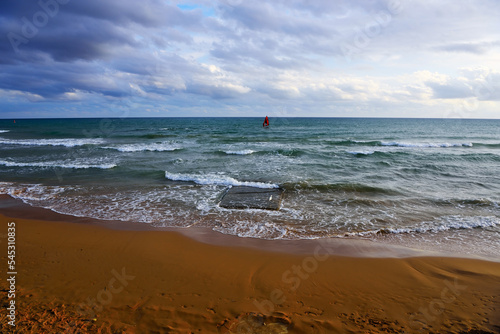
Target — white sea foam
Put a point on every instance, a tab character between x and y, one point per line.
241	152
55	164
444	224
216	179
360	152
4	131
35	192
153	147
252	229
425	145
68	142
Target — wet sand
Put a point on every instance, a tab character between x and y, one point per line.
79	273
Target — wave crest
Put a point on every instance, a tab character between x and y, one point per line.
425	145
68	142
361	152
55	164
444	224
216	179
155	147
241	152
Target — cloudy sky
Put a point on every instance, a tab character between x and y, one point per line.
283	58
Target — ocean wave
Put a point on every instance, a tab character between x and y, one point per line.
444	224
360	152
154	147
216	179
489	145
55	164
334	187
484	202
375	143
68	142
4	131
289	152
351	142
154	136
241	152
425	145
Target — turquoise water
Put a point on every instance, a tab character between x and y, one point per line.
426	183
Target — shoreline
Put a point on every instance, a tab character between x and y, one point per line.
354	247
141	281
16	208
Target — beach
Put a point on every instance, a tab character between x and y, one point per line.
80	273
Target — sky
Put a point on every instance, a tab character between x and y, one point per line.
282	58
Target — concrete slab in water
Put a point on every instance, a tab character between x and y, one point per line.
252	198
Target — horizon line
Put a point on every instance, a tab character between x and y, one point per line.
310	117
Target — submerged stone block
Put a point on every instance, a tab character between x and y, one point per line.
244	197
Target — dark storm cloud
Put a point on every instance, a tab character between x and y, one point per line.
151	13
38	37
68	29
52	81
81	42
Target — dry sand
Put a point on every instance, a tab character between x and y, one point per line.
82	275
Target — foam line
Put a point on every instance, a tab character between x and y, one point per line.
214	179
68	142
54	164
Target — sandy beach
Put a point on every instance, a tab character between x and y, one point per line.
75	275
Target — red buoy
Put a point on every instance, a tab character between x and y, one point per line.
266	122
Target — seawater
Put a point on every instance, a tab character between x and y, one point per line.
427	183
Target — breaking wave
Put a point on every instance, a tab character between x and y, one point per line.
155	147
425	145
377	143
68	142
360	152
55	164
241	152
216	179
444	224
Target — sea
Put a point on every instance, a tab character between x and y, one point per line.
428	184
